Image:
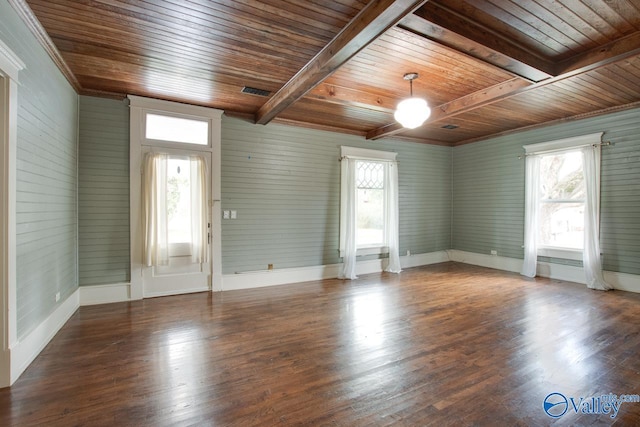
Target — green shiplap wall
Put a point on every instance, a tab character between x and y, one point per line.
284	183
46	180
488	190
488	198
103	192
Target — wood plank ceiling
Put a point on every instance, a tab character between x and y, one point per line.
486	66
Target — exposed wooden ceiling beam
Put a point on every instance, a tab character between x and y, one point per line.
461	105
346	96
372	21
451	29
614	51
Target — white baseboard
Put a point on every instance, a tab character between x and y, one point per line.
26	350
569	273
424	259
103	294
119	292
623	281
258	279
491	261
619	281
5	368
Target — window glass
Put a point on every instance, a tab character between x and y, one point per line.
176	129
178	200
370	204
562	200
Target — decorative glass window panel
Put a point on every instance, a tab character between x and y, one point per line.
370	204
176	129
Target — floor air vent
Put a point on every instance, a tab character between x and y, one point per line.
255	91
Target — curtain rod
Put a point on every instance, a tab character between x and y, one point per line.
601	144
369	159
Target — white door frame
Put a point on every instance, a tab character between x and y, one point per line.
10	66
154	281
139	105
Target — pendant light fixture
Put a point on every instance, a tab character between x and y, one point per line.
412	112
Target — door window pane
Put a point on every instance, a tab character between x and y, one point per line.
175	129
179	206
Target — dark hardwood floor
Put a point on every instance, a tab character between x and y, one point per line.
448	344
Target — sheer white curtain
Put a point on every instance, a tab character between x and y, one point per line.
156	231
531	215
156	234
199	217
591	252
391	214
349	214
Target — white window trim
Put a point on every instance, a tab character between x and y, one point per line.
558	146
367	154
362	154
560	253
564	144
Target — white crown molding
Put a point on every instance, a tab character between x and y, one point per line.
10	63
33	24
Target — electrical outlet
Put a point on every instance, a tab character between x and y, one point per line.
408	252
494	252
234	215
226	215
57	296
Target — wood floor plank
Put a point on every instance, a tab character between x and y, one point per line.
448	344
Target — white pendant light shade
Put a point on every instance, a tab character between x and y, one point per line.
412	112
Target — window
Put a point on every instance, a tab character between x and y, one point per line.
368	208
161	127
562	205
562	193
372	179
562	200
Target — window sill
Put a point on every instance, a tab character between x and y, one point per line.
562	253
371	250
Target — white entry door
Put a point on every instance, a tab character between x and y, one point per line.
176	222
